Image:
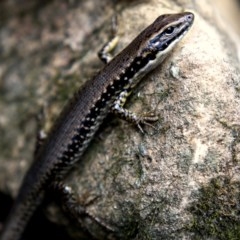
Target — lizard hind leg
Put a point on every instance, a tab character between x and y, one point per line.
77	211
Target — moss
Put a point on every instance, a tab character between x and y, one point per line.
216	214
235	130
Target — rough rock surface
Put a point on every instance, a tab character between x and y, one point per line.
180	180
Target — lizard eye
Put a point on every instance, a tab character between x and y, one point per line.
169	30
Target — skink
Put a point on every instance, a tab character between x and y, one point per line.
81	118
